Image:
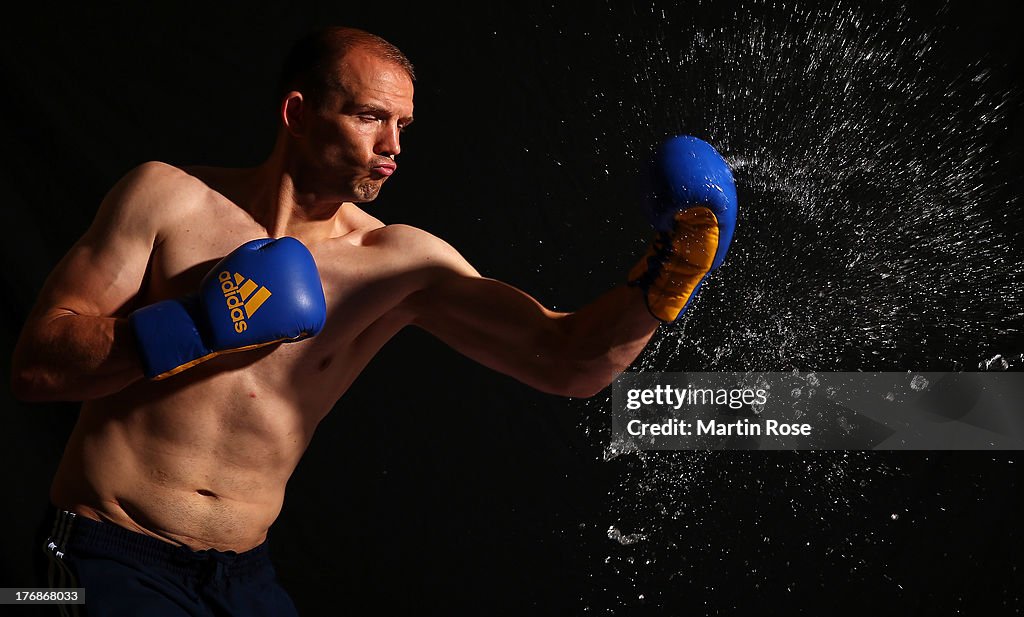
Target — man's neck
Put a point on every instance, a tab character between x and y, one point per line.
283	211
268	193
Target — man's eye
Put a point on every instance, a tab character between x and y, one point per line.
367	118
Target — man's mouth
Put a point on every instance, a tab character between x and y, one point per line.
385	169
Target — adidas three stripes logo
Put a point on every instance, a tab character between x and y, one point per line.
242	296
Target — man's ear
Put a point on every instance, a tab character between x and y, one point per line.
293	113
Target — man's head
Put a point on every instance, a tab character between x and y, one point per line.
345	97
311	65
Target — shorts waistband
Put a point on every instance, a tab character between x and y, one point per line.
73	533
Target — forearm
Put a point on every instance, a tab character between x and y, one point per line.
71	357
603	338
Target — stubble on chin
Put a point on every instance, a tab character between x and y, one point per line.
367	191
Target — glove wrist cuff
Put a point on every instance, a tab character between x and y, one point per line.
168	340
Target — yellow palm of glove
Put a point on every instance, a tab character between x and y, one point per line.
676	262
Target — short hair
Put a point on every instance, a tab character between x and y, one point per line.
311	62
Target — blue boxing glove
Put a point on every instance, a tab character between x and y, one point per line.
265	291
692	207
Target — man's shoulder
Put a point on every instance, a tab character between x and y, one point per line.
158	171
404	237
416	247
155	179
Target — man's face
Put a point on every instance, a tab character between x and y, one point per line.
353	137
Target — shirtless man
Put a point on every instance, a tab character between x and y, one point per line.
177	466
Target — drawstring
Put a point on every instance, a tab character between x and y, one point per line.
215	564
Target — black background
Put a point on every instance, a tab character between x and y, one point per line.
437	486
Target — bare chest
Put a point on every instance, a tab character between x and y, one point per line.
361	285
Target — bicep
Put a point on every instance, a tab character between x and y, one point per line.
103	271
506	329
491	322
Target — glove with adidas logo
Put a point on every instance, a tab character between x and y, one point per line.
692	206
265	291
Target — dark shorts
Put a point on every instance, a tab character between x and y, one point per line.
127	574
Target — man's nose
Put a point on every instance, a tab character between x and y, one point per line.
388	141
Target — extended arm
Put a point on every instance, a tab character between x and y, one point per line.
693	209
500	326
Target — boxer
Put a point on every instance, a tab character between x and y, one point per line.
209	318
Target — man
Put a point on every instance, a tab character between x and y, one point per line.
195	414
